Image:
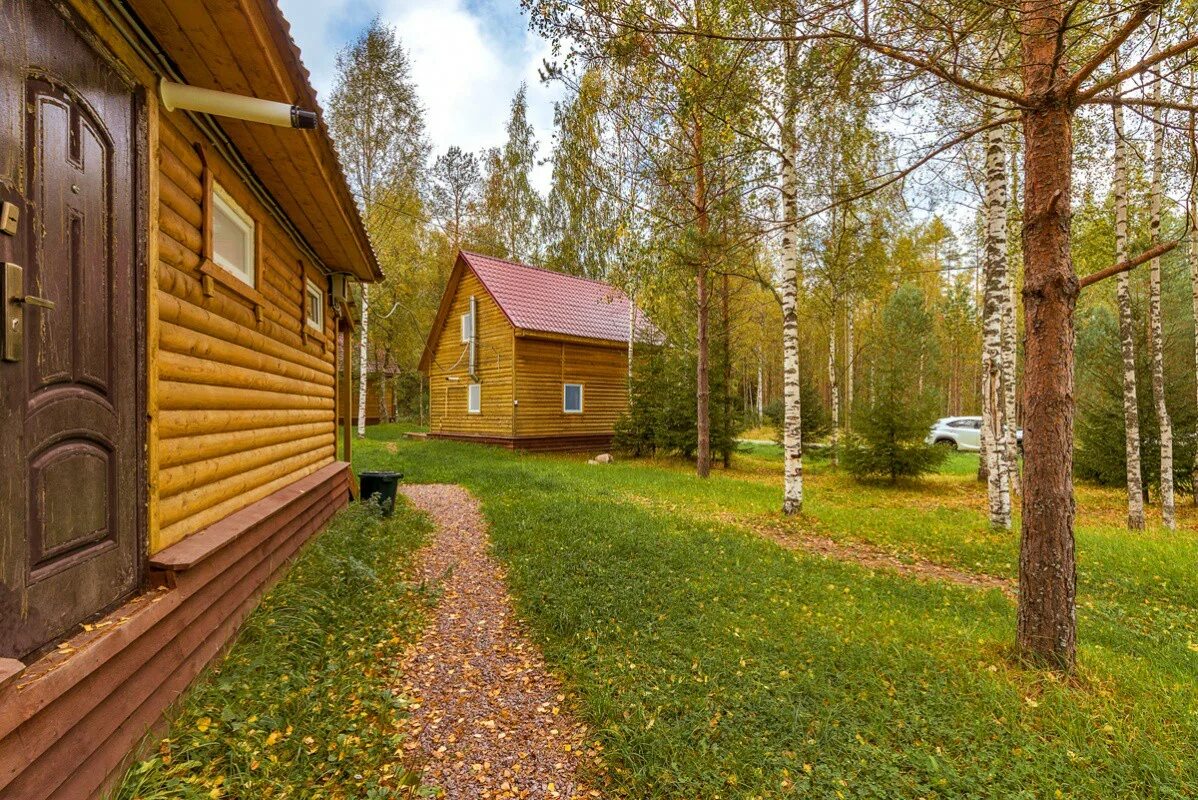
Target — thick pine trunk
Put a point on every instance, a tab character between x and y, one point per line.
1127	337
994	427
1156	337
362	358
703	370
1046	624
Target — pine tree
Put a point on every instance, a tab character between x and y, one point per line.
889	441
511	206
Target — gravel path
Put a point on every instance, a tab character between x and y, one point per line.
486	718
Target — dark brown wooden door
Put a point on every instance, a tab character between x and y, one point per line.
69	473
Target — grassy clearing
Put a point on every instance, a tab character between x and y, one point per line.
301	706
715	664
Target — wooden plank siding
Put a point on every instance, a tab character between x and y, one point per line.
244	390
544	366
449	370
527	367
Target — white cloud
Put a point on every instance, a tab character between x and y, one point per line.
467	64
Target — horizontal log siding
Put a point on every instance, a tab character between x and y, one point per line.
544	366
447	398
245	403
67	725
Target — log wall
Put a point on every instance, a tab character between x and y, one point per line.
544	366
449	371
244	389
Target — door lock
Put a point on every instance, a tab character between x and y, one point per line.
14	313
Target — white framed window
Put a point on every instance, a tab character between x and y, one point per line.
314	305
232	235
465	327
474	398
572	398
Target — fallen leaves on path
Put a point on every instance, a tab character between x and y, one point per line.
487	719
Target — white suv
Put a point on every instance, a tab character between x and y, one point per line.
959	433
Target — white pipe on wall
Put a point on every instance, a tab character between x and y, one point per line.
225	104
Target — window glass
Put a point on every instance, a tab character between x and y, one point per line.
572	398
315	306
474	400
232	235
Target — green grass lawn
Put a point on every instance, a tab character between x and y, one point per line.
301	706
712	663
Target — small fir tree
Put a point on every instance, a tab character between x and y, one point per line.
892	424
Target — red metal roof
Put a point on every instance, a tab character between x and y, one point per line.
538	299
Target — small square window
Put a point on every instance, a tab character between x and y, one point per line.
314	306
572	398
474	398
232	235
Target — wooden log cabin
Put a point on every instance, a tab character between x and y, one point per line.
174	287
528	358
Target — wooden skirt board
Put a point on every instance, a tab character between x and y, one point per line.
68	724
71	432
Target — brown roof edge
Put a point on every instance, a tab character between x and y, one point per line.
302	79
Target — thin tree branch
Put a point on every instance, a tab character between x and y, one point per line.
1156	251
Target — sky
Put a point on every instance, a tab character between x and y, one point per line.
468	59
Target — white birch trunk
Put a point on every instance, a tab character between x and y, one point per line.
1154	309
1127	337
834	387
998	488
362	357
792	425
848	364
1010	341
760	388
631	337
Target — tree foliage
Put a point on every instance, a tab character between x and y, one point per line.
893	422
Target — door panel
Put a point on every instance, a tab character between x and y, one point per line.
70	419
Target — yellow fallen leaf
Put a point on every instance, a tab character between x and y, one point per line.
203	724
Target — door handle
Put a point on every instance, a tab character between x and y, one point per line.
30	300
12	289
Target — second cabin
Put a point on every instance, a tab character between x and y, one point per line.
529	358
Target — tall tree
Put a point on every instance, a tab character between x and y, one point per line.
453	191
377	122
580	213
994	425
511	206
1127	335
1156	336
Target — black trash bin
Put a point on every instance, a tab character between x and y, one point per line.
383	484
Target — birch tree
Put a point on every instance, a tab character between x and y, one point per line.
792	431
1156	336
1127	335
378	124
994	425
